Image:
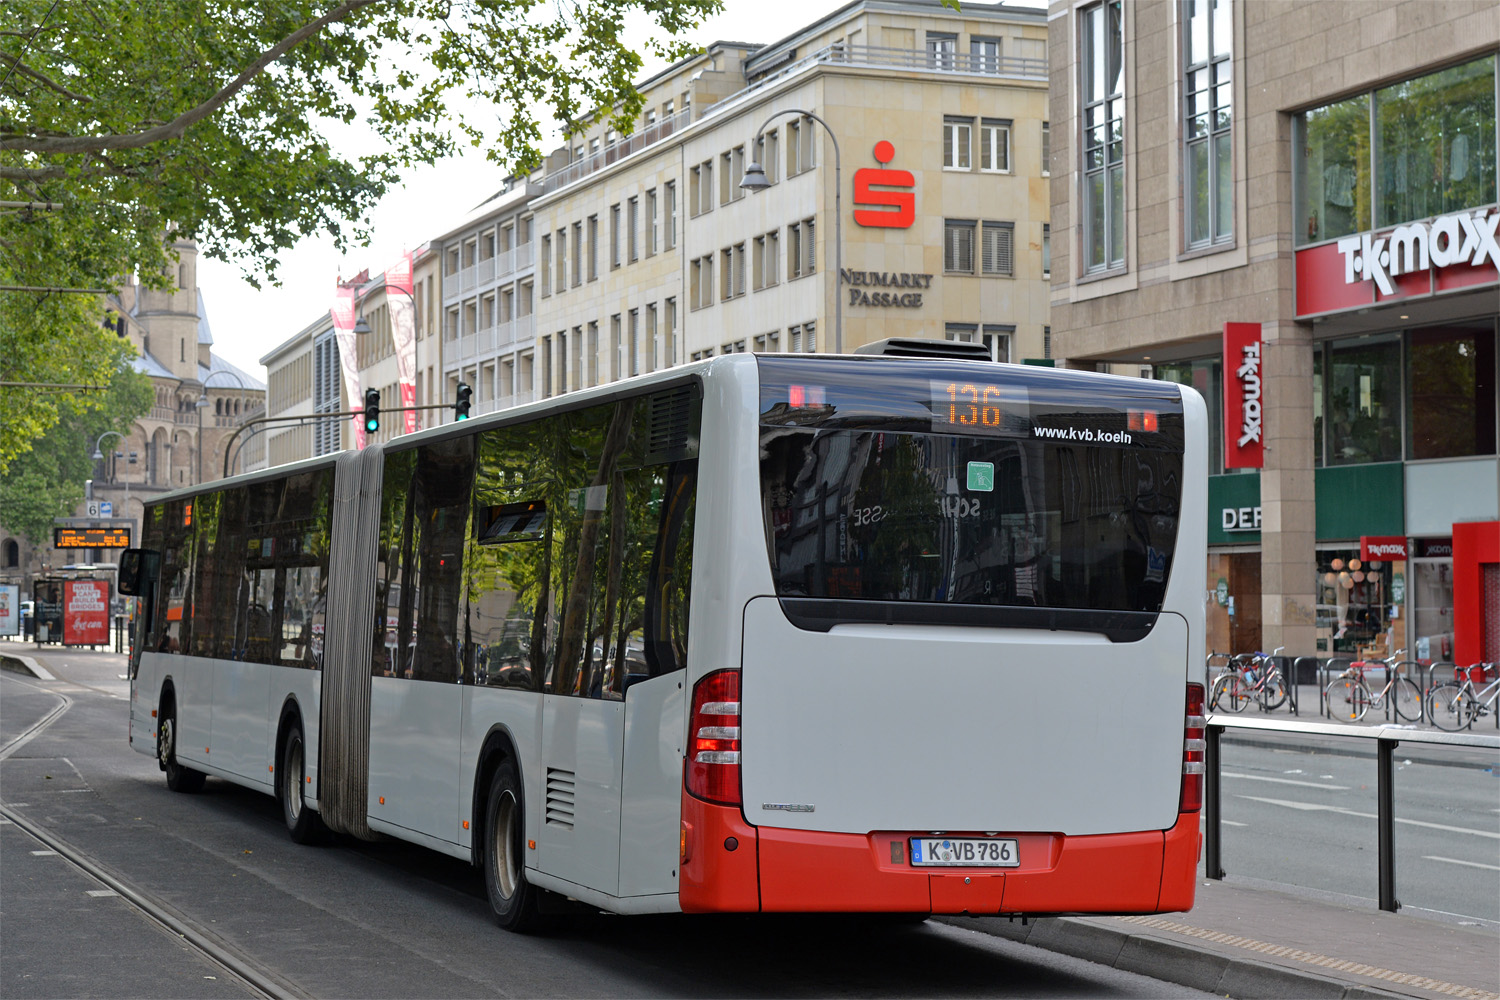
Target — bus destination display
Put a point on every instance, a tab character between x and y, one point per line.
980	407
91	538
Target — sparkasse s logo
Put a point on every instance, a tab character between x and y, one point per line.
898	197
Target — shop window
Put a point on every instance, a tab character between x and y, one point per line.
1332	170
1435	143
1362	401
1432	607
1452	379
1205	376
1354	605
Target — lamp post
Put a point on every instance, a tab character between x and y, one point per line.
755	180
98	456
202	405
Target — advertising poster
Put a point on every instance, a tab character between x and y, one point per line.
402	307
10	609
86	613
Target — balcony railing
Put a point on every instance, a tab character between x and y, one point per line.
647	136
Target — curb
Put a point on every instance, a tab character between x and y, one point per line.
25	665
1174	962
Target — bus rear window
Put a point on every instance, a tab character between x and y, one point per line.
967	484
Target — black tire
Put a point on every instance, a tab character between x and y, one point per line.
512	898
1448	707
1272	693
1407	698
302	824
1233	693
1348	699
180	778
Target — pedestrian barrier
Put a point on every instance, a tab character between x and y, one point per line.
1386	737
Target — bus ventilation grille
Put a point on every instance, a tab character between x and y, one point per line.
560	798
670	436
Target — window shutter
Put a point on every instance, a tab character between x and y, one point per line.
999	248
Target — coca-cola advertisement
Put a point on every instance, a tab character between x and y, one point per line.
85	613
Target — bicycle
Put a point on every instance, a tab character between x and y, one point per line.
1251	675
1349	695
1454	706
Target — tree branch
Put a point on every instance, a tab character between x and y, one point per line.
179	126
44	81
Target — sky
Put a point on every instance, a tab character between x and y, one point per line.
248	323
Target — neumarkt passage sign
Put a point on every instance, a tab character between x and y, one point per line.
91	538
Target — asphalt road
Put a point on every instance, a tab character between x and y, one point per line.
1303	812
382	920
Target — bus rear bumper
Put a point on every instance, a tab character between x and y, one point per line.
803	871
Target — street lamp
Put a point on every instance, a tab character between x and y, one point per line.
755	180
202	405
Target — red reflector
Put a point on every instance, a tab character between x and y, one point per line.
713	764
1141	420
1150	421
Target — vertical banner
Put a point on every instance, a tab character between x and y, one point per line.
10	609
343	332
1243	398
401	301
86	613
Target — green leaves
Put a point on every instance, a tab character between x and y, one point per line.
211	119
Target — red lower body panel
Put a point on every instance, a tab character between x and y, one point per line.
780	870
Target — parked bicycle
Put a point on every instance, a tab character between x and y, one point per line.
1455	704
1349	695
1251	676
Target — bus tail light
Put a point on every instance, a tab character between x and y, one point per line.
713	770
1193	747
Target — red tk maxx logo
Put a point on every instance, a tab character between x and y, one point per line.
898	199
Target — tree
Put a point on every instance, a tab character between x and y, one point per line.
47	480
209	120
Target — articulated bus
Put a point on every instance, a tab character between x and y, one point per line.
760	633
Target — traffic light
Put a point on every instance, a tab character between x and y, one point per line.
461	402
372	410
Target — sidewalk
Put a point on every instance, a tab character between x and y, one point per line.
1251	941
1309	704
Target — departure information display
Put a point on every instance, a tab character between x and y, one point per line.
91	538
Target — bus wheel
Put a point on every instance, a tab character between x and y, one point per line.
179	777
304	825
513	899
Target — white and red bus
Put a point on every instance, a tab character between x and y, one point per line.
760	633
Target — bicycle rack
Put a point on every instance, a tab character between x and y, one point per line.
1326	673
1296	677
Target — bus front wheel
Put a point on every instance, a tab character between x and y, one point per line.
513	899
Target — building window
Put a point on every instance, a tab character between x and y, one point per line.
995	338
701	188
800	257
1046	250
767	152
731	172
562	260
1102	93
593	351
942	50
958	246
957	143
994	145
651	222
669	332
1419	148
1361	401
593	248
545	260
616	346
1046	149
650	361
984	55
998	256
799	146
669	230
1208	171
614	236
633	228
701	282
1451	374
635	341
577	254
763	266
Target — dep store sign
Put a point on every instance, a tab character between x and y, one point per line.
1240	518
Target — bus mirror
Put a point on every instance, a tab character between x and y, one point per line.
138	570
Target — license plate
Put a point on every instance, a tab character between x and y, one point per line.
954	852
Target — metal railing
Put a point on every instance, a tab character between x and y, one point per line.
1386	738
647	136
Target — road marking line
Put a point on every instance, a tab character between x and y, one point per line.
1455	861
1286	781
1321	961
1230	822
44	854
1318	806
102	892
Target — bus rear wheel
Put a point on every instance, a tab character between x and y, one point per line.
179	777
513	899
304	825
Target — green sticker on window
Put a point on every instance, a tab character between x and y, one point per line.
982	477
